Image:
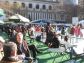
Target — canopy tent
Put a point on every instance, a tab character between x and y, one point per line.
82	21
43	21
18	18
58	21
40	22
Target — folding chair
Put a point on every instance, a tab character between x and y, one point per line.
32	38
57	52
72	48
78	51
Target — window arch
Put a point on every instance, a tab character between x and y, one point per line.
37	6
50	7
44	7
23	5
30	5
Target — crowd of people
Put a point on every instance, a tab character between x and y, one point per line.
16	35
17	46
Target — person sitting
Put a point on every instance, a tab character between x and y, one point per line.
10	53
55	42
23	47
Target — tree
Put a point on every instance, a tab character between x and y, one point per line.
16	7
7	6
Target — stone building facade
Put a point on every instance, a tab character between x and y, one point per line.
81	9
42	9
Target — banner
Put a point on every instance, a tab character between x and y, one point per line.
75	20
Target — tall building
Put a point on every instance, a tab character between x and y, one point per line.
81	9
42	9
81	3
71	2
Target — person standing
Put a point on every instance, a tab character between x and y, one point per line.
49	34
72	30
77	30
63	30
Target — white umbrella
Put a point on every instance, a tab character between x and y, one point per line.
21	18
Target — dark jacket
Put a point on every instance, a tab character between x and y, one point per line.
23	48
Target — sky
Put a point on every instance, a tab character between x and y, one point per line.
74	2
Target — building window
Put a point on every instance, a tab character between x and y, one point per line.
62	17
37	6
44	7
29	16
30	5
36	16
50	7
23	5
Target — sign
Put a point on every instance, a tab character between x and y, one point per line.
74	20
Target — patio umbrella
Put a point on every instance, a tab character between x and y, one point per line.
18	19
41	21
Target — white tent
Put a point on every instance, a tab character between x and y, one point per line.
82	21
21	18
